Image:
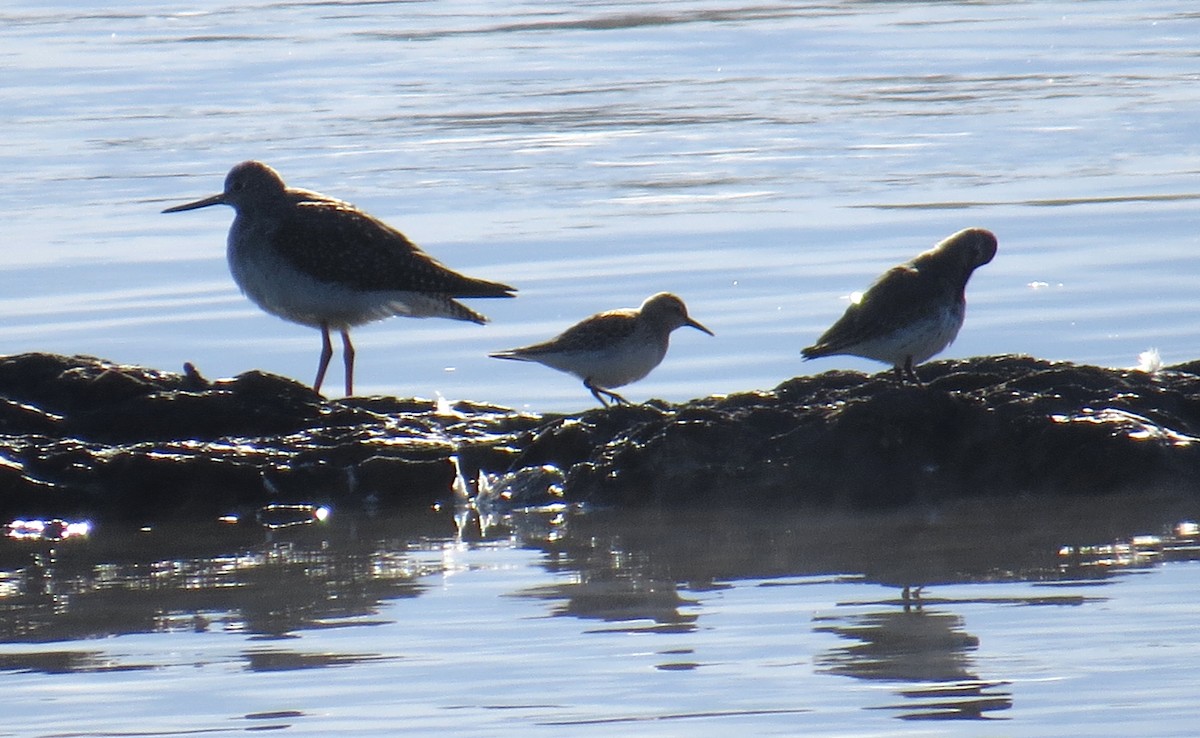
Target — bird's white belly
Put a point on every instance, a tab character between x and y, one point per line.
616	367
920	340
289	293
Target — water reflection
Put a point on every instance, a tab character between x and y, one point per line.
974	541
914	645
644	571
627	563
271	660
65	662
206	577
907	645
619	598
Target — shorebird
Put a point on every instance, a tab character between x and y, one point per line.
914	310
321	262
613	348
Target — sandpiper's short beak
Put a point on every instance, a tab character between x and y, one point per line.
214	200
699	327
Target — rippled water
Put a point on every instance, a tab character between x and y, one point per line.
761	160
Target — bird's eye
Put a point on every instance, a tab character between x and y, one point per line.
238	185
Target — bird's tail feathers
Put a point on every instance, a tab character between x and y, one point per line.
430	305
814	352
462	312
483	288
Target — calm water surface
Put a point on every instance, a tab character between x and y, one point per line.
763	161
1035	620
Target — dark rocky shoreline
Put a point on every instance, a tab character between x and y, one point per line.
80	436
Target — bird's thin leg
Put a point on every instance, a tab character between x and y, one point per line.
600	393
911	596
910	372
595	392
326	355
619	400
348	359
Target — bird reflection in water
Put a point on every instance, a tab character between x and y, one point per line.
924	649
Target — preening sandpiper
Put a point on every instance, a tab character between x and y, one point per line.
614	348
324	263
914	310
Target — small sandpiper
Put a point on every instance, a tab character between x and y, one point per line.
914	310
613	348
321	262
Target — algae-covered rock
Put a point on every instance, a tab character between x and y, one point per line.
82	436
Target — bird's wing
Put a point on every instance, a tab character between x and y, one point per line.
898	297
590	334
347	246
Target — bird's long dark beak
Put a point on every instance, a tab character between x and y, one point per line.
699	327
214	200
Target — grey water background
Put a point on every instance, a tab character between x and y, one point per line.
761	160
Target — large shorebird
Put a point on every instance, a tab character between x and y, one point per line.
321	262
914	310
614	348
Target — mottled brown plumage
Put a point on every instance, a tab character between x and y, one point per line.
613	348
322	262
914	310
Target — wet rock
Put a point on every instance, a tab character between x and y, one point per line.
1005	426
82	436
